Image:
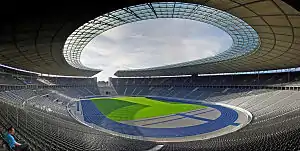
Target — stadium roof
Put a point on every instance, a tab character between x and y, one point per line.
278	28
32	37
245	38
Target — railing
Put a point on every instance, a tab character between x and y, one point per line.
295	88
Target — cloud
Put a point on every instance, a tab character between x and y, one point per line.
153	43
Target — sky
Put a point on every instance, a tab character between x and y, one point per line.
152	43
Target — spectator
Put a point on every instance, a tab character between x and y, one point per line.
3	133
13	144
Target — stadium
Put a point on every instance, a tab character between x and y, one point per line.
245	98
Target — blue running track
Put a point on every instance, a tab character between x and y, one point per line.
228	117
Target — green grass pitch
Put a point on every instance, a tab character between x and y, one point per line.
133	108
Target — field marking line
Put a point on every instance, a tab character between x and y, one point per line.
180	114
163	121
159	117
156	148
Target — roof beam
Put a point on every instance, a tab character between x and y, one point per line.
115	17
128	10
173	9
150	5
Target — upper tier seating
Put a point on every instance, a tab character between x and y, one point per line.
278	79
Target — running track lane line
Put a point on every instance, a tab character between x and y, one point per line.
204	119
156	148
175	118
164	121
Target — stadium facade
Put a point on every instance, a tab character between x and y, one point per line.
265	36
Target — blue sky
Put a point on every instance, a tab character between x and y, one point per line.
153	43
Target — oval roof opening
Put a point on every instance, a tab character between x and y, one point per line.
154	42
